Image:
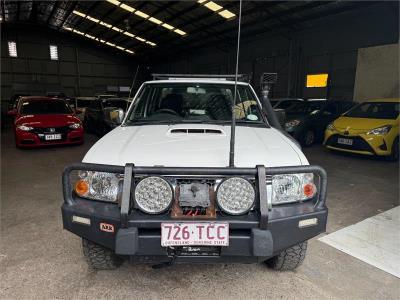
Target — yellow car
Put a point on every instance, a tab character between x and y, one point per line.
370	128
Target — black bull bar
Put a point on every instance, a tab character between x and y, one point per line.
260	173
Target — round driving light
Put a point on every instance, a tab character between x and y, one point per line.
235	196
81	188
153	195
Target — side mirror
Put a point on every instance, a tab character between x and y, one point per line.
281	116
115	115
12	113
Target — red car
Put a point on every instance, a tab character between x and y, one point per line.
42	121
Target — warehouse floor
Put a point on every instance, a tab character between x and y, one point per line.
39	259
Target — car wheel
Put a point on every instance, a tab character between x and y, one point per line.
308	138
289	259
394	155
99	257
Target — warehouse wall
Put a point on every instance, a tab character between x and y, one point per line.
83	68
329	45
377	73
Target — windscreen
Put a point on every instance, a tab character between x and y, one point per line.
306	107
83	102
193	102
375	110
44	107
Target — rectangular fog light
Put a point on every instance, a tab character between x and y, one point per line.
308	222
81	220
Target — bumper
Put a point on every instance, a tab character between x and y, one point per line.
362	144
254	237
33	140
141	239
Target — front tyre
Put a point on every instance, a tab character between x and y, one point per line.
99	257
394	155
289	259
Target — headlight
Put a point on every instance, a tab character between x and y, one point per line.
153	195
75	125
380	130
288	188
24	128
98	185
331	127
292	123
235	196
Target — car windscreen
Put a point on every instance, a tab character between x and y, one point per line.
194	102
83	102
115	103
306	107
44	107
375	110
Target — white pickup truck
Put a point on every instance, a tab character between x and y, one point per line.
160	188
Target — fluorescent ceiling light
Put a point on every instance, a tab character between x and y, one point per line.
105	24
167	26
129	34
226	14
78	13
115	2
92	19
213	6
119	47
127	7
110	44
140	39
154	20
78	32
141	14
117	29
129	51
180	32
201	1
90	36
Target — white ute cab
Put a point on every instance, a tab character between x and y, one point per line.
160	188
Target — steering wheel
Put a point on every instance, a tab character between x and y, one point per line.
167	111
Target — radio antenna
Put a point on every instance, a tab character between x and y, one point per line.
233	123
133	82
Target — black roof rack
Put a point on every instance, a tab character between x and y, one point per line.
230	77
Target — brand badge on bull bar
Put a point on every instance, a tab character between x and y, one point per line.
106	227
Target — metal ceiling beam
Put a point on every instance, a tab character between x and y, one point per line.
2	11
53	10
68	13
18	10
248	33
161	9
219	35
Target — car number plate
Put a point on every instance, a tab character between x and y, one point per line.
345	141
195	234
51	137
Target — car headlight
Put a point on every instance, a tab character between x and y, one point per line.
292	123
380	130
24	128
99	185
153	195
288	188
235	195
331	127
75	125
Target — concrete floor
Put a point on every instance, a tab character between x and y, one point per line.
40	260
